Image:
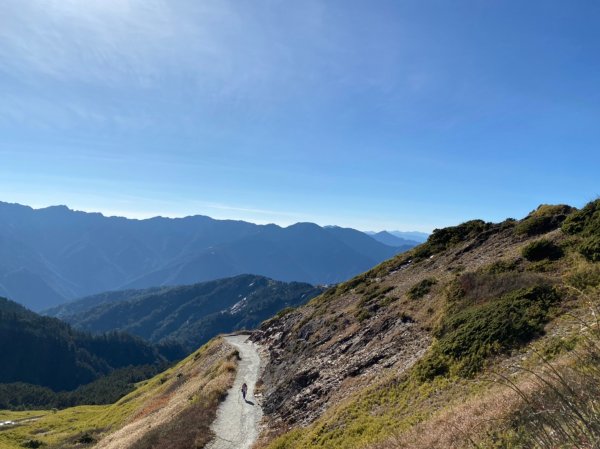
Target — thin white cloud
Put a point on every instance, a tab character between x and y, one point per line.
226	207
106	42
124	63
139	64
120	42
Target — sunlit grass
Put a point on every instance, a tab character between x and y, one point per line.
55	427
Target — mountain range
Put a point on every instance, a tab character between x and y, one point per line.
54	254
188	315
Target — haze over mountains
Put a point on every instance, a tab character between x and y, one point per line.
411	235
389	239
51	255
398	238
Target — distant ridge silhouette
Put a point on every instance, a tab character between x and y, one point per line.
51	255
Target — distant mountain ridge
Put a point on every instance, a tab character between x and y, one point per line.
420	237
391	240
51	255
411	236
188	315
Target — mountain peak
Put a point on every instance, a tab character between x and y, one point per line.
389	239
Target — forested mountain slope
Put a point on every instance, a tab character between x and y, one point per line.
390	239
189	315
47	352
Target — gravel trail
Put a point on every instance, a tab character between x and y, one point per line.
236	426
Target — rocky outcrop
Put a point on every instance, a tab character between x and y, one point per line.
353	335
318	362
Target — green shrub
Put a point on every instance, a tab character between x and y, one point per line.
284	312
542	249
442	239
585	277
501	266
508	223
477	287
86	438
585	221
373	297
388	300
468	336
586	224
347	286
557	345
544	219
422	288
376	292
362	315
33	444
590	248
541	266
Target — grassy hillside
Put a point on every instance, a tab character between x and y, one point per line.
484	336
172	410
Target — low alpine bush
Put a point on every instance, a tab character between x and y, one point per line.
542	249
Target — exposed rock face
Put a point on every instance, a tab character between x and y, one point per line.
316	363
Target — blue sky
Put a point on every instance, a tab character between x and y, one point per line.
389	114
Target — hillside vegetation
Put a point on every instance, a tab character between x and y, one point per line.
172	410
485	336
188	315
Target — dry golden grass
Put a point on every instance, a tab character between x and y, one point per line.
471	423
189	427
178	415
540	404
151	407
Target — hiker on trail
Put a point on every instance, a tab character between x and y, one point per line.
244	390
